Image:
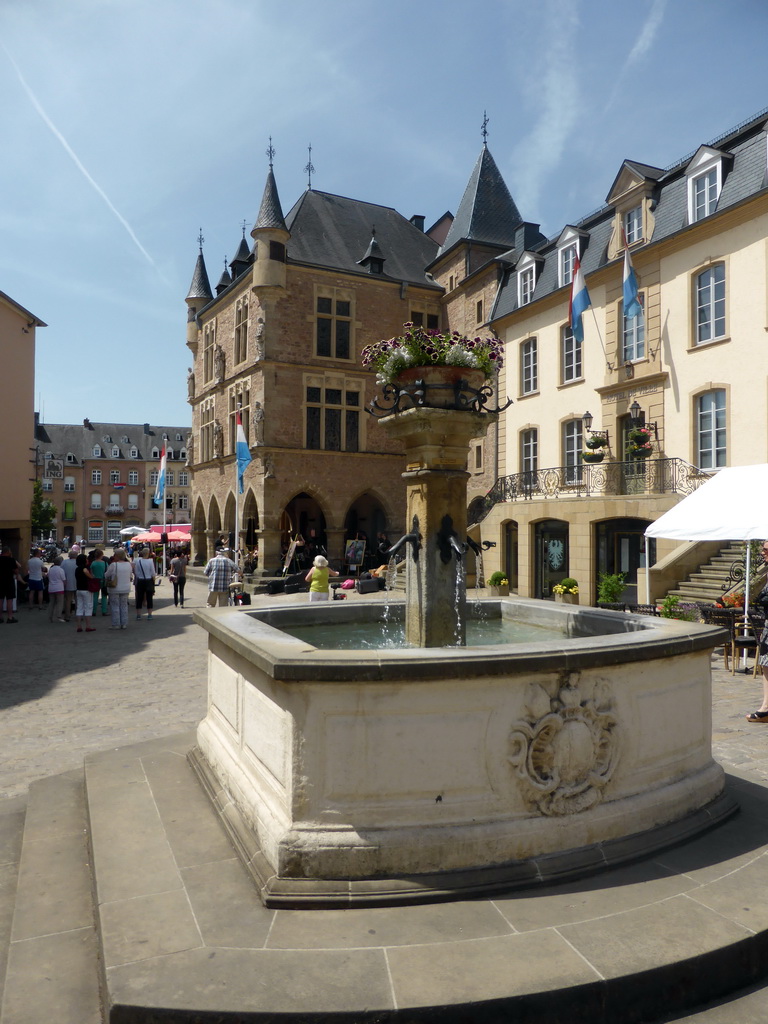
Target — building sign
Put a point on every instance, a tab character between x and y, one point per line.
54	469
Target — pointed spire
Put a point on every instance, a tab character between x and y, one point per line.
242	257
201	286
270	212
373	260
225	280
487	212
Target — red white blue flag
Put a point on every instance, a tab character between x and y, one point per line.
160	489
632	305
243	453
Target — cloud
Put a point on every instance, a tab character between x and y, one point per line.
642	46
76	160
557	101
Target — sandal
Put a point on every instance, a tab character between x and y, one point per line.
758	716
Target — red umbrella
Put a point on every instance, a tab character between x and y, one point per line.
178	535
146	538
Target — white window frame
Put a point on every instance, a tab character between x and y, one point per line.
95	501
529	450
183	479
69	484
566	259
115	451
705	183
573	443
134	453
710	303
529	366
97	451
47	484
633	334
711	429
153	477
114	476
96	476
133	477
133	502
571	356
633	224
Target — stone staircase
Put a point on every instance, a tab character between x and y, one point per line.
108	877
710	580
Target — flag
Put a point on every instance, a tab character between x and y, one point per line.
580	301
632	306
159	497
243	453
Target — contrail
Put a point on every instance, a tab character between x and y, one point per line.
76	160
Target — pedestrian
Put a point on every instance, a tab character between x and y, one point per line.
118	579
57	585
317	578
69	567
144	578
178	577
220	572
83	595
98	568
35	570
10	570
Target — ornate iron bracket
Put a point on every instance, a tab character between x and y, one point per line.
416	395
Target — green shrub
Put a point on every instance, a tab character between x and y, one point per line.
610	586
498	579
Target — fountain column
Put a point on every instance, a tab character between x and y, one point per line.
436	446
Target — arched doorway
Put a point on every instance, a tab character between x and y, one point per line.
229	522
365	520
302	519
250	525
621	546
199	541
551	554
510	553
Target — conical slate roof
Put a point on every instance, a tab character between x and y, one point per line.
201	286
270	212
373	250
242	257
487	212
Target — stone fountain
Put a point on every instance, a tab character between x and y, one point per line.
438	770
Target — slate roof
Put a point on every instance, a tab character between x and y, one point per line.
745	173
201	286
62	439
270	211
487	212
334	232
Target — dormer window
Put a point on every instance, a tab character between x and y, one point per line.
107	439
633	225
527	275
134	453
124	439
705	182
179	437
155	453
115	452
71	458
97	451
570	244
169	453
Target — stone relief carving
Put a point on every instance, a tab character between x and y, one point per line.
268	467
259	338
258	423
190	384
219	364
565	751
190	444
218	440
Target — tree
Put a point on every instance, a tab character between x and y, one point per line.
42	513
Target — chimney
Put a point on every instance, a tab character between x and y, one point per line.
146	428
87	424
418	221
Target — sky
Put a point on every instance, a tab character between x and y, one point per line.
128	126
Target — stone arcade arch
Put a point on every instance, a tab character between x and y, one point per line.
199	540
250	520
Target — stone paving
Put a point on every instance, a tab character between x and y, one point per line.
65	694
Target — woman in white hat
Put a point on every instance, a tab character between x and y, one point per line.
317	578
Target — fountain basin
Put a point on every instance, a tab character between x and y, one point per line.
416	774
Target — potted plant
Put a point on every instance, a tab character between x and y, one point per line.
610	587
639	443
498	584
593	456
566	591
433	358
596	442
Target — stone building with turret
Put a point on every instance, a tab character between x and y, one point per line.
279	339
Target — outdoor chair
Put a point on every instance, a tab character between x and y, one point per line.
724	617
643	609
744	640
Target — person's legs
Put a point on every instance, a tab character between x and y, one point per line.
182	582
55	605
69	600
140	590
114	610
123	609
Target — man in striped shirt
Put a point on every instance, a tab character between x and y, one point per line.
220	572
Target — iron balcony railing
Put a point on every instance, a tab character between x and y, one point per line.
649	476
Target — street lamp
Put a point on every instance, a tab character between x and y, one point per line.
587	419
637	419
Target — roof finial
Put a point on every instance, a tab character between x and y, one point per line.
309	169
200	239
243	226
270	152
484	129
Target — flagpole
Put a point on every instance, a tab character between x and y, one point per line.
238	421
164	530
600	337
